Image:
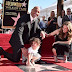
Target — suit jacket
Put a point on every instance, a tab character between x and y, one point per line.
65	18
22	31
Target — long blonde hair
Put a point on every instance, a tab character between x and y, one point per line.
52	12
69	33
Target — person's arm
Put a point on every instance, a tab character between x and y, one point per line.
56	32
39	31
64	42
50	20
20	33
17	34
43	34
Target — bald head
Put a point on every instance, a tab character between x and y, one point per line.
35	11
36	7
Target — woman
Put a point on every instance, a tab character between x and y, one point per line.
59	19
52	22
63	40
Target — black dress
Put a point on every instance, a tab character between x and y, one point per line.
60	47
51	27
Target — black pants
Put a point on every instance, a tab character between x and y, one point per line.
61	48
15	56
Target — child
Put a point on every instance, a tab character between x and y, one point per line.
33	54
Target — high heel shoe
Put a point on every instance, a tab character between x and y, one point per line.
55	58
65	59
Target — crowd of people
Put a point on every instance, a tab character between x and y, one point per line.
53	22
29	28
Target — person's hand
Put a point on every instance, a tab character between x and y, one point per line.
52	19
47	35
29	64
42	34
54	22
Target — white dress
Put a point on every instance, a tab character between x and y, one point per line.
59	21
34	52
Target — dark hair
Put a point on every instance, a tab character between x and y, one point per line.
37	40
61	13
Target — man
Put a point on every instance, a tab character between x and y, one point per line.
26	28
42	23
67	17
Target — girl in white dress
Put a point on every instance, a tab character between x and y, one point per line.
32	52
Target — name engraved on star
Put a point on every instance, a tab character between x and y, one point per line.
15	6
11	13
8	3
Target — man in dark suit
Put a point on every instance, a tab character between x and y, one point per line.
26	27
67	17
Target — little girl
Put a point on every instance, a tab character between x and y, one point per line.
32	53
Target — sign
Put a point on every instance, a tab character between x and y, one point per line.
13	10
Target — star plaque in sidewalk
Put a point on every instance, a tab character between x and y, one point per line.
16	19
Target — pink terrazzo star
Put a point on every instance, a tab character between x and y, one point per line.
16	19
24	4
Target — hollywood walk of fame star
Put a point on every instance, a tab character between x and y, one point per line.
16	19
24	4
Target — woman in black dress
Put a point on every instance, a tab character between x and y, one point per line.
63	39
52	23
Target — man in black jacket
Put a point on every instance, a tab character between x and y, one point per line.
26	27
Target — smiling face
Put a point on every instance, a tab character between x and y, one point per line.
68	11
52	14
35	12
65	29
34	45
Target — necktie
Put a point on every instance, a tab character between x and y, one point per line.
32	21
69	17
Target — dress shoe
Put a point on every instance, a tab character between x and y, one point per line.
1	50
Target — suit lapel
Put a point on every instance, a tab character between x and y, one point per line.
29	26
67	18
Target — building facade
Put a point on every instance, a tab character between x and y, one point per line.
46	12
